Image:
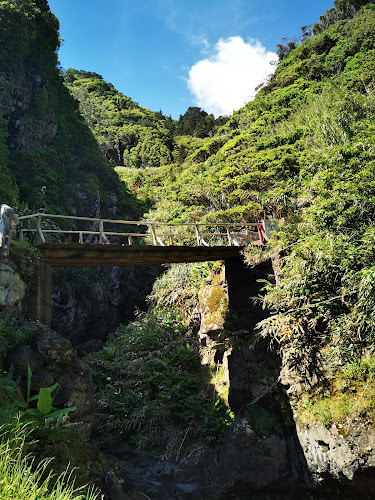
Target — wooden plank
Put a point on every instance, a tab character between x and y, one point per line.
75	254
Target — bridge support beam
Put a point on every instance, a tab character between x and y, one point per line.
243	286
37	304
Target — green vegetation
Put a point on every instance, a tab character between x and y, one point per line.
127	133
45	419
130	135
39	453
346	397
23	479
10	336
257	162
303	150
177	289
49	158
152	390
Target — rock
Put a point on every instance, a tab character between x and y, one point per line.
249	461
56	350
110	297
330	453
40	379
296	382
52	359
166	480
92	345
213	302
253	371
12	287
8	224
66	384
122	451
21	357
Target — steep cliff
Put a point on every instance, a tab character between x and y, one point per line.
50	161
48	156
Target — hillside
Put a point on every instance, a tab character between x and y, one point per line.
130	135
303	150
49	158
315	108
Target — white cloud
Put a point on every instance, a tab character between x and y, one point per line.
226	81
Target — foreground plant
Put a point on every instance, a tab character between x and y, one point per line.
151	388
44	418
22	478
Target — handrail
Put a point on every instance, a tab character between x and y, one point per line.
141	223
232	236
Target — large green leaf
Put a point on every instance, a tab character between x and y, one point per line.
45	401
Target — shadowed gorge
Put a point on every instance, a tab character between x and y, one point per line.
249	375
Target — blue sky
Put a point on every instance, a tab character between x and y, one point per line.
172	54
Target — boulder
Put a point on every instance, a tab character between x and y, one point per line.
21	357
52	359
12	287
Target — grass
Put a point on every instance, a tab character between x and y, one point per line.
151	388
23	478
27	458
345	397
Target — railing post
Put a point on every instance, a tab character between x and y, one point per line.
40	235
199	243
229	236
260	235
153	234
130	240
80	236
103	237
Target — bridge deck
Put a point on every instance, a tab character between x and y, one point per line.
76	254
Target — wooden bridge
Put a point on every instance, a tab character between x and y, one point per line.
84	241
107	242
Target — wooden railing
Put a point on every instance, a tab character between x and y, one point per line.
155	233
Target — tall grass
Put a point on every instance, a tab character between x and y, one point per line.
23	478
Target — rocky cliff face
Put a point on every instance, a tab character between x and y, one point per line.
338	453
268	449
87	303
50	156
50	161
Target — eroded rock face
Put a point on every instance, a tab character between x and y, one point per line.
189	479
261	452
12	287
213	302
88	304
341	457
249	461
331	453
52	359
15	106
